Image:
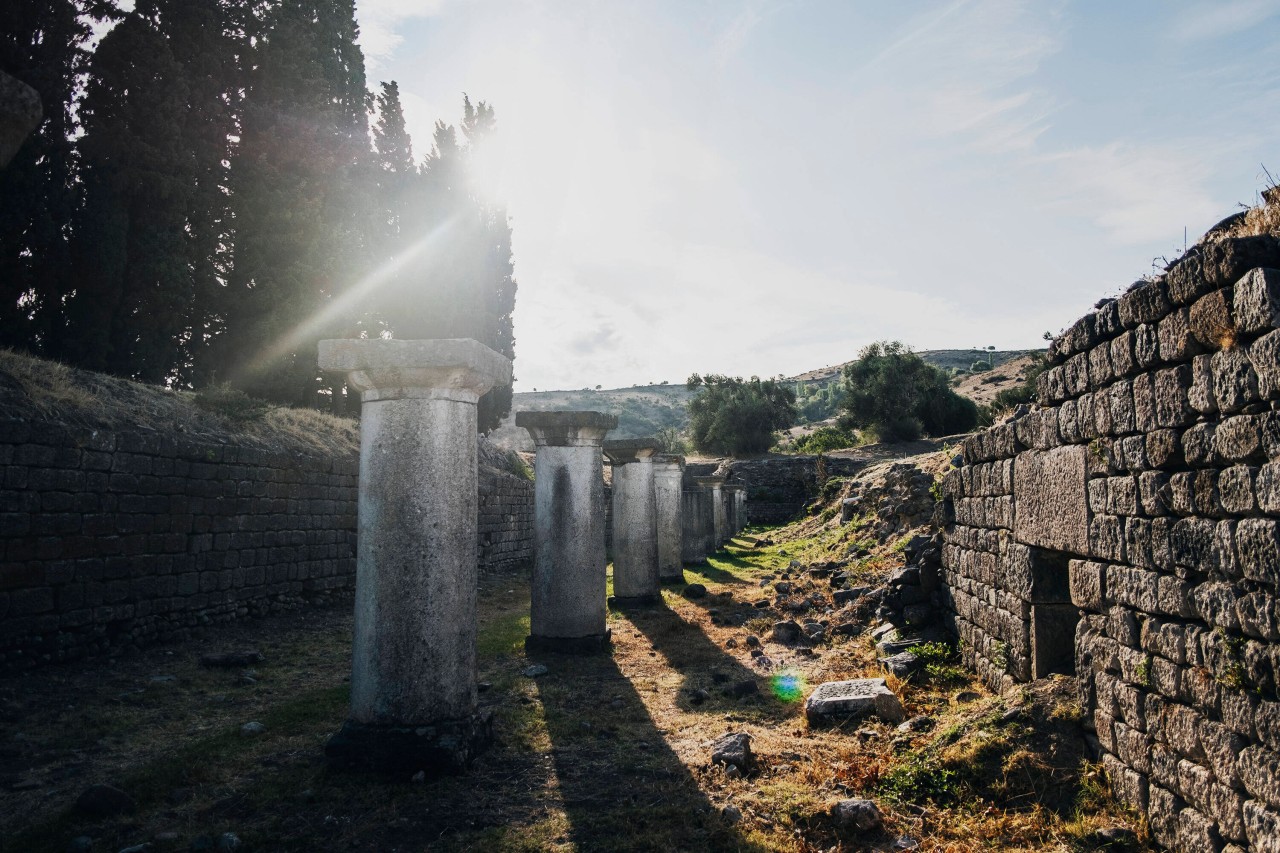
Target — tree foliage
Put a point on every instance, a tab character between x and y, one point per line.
735	416
205	200
892	392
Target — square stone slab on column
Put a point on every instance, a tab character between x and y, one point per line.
622	451
565	429
387	369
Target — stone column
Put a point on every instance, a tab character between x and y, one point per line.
743	518
715	484
730	511
635	524
413	670
567	609
734	495
668	477
695	508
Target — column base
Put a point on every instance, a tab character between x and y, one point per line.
444	747
595	644
635	600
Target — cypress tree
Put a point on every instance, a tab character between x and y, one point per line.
42	44
299	200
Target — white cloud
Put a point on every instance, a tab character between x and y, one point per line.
1219	18
378	21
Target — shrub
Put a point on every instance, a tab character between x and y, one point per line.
824	440
897	395
735	416
231	403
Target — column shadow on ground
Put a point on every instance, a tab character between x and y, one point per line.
622	786
704	666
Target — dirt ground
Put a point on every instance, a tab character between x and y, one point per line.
605	753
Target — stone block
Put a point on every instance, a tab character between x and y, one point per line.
1106	538
1264	355
1211	321
1051	504
1256	301
1267	488
1259	771
1144	403
1235	384
1235	489
1162	815
1088	584
854	698
1163	449
1151	488
1100	371
1172	385
1238	439
1177	343
1257	541
1122	415
1146	346
1145	303
1262	827
1076	373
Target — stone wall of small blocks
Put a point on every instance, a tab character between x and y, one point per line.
1128	530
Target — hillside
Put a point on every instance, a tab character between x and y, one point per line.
643	410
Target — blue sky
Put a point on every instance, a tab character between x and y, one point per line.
757	187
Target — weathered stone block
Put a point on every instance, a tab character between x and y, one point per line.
1146	346
1051	504
1106	538
1162	815
1259	771
1088	584
1258	545
1262	827
1238	438
1235	384
1144	403
1152	486
1267	488
1264	355
854	698
1235	489
1146	303
1256	302
1177	344
1173	408
1211	319
1122	416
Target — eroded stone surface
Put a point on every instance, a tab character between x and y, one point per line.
1051	506
854	698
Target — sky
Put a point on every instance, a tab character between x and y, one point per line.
763	187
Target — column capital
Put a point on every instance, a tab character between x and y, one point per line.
453	368
623	451
670	461
567	429
711	481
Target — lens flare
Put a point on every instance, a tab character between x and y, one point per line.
788	685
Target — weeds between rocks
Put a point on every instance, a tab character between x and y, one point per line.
608	753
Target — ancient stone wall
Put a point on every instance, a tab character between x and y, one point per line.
778	488
117	539
1126	530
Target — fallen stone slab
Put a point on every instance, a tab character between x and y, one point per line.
734	750
900	665
857	697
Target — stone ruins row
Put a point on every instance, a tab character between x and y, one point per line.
413	680
1127	530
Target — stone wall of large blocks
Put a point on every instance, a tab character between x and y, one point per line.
1128	530
113	539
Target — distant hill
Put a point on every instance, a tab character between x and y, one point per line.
643	410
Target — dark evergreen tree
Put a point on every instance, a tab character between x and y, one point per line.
299	200
42	44
736	416
133	283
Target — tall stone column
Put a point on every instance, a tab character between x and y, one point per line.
743	518
668	478
567	611
635	522
719	530
734	505
413	670
695	510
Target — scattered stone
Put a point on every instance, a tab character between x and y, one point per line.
966	696
755	653
1013	715
854	698
742	689
848	596
535	670
105	801
857	816
787	632
915	724
695	590
865	733
731	813
252	729
733	749
753	641
699	696
732	771
731	643
231	660
1116	838
782	588
905	842
901	665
